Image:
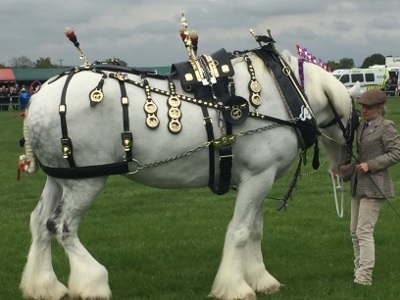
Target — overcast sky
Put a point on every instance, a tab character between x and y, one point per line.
144	33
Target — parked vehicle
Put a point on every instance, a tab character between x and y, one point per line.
369	78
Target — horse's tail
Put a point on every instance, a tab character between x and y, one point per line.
27	162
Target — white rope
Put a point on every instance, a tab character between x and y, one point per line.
337	184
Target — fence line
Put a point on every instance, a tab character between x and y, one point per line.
6	102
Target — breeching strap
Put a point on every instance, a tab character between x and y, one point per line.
74	172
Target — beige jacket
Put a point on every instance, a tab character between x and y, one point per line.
379	146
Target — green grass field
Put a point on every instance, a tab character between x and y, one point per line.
167	244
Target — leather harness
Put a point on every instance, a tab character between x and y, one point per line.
219	91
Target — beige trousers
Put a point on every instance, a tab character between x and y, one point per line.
364	214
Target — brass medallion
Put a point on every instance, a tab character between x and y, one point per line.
150	107
175	126
256	99
152	121
96	95
255	86
236	113
174	101
174	113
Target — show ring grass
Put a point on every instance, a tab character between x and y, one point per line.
167	244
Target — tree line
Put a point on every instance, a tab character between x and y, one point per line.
46	63
23	62
348	63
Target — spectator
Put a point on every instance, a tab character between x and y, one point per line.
14	97
4	98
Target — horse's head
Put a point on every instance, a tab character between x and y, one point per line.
333	108
340	131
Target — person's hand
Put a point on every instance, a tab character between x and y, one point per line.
344	168
362	167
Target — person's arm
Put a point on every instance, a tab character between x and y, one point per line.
391	144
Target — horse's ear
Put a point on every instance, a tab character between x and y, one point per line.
354	91
287	56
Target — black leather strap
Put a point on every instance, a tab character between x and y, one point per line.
211	148
86	172
225	166
66	142
306	127
126	135
225	158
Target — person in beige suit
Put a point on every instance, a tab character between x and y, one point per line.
378	148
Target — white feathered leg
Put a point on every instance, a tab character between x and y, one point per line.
88	279
229	282
38	279
255	272
242	271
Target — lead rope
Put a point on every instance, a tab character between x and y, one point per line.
337	185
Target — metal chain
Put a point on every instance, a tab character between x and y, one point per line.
332	139
205	145
258	130
187	153
313	171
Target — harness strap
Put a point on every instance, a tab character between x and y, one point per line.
292	93
66	143
225	158
211	148
225	165
126	135
86	172
336	119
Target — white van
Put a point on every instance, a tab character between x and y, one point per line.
369	78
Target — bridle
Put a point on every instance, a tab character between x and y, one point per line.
349	130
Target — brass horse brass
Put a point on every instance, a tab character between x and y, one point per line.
175	126
174	101
152	121
256	99
150	107
174	113
236	112
96	95
255	86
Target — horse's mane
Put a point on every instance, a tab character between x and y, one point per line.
316	77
